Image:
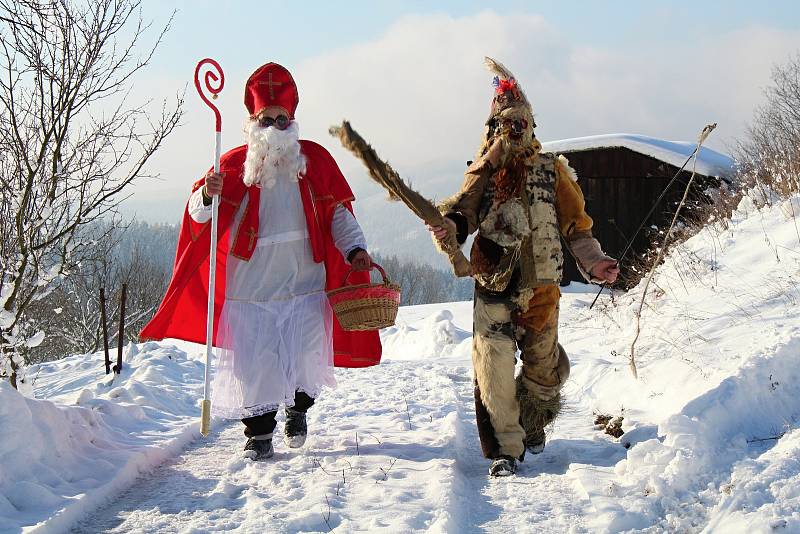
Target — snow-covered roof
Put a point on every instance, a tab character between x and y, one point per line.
709	163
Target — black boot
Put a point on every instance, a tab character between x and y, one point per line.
503	466
296	428
259	448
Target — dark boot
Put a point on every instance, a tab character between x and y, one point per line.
259	431
259	448
535	415
296	428
503	466
260	425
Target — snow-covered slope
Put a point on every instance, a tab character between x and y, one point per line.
720	386
95	433
710	444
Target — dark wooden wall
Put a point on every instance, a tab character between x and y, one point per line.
620	187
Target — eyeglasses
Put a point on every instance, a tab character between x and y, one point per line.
281	122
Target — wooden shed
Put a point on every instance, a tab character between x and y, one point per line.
622	176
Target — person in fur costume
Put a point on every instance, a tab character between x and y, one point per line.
521	202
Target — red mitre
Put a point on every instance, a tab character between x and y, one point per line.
271	85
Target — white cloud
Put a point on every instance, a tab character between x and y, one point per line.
420	93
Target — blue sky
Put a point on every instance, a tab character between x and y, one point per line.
410	74
297	30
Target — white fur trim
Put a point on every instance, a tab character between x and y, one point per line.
570	171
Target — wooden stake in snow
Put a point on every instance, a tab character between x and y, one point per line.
121	335
105	328
703	135
214	81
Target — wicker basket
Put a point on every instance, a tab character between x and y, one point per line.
366	306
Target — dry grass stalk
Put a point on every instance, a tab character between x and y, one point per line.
703	135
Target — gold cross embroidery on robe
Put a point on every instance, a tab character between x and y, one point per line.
252	234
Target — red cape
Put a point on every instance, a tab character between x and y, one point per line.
182	313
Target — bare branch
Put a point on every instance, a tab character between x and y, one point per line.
71	143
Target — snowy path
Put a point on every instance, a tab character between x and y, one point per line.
543	496
429	477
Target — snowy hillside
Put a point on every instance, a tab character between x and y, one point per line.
711	440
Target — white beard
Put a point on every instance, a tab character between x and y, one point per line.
272	154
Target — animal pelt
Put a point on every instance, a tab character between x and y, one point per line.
563	168
500	145
523	299
503	229
493	361
448	204
536	414
511	115
492	265
486	433
385	176
507	224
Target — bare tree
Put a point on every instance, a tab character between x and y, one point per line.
770	152
141	256
70	142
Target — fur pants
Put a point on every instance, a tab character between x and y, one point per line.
498	330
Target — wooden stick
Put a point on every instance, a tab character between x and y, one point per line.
382	173
105	328
662	249
118	368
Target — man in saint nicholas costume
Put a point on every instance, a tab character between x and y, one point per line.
287	234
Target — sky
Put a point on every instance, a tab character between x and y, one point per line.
410	76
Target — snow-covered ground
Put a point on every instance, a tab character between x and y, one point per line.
95	434
711	440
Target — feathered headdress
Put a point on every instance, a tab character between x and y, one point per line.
508	92
509	129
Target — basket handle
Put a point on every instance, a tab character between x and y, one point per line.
372	265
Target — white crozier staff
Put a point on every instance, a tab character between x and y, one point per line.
214	80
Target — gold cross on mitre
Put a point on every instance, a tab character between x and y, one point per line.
271	84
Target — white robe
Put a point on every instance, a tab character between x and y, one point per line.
276	325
